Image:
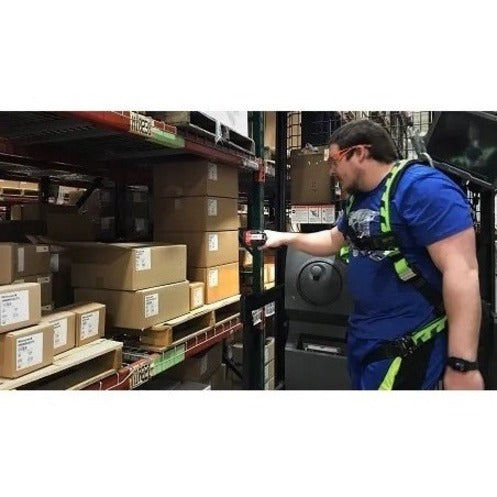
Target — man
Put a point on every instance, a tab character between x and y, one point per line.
431	219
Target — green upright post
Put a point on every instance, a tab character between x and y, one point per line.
253	335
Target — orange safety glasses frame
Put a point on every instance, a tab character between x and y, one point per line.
338	156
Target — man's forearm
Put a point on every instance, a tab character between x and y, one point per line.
462	303
318	243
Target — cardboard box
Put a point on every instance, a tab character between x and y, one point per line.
26	350
45	281
127	266
220	282
90	321
269	272
197	294
18	260
310	177
200	367
206	249
236	352
195	178
143	308
194	214
20	306
64	325
64	223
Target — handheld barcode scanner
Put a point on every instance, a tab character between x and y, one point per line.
254	238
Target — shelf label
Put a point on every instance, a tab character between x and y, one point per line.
269	309
257	316
140	375
140	124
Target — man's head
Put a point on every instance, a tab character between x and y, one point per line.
357	150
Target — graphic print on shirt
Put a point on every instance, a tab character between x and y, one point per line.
360	221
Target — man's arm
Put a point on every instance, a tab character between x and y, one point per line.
327	242
455	257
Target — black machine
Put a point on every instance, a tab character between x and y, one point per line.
317	305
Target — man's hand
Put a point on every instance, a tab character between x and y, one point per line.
276	239
471	380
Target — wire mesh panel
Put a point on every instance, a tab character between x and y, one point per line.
393	121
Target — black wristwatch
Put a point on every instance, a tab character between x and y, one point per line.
461	365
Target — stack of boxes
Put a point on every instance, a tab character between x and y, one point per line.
28	340
140	284
27	263
195	203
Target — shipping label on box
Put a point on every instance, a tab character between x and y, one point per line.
213	242
198	297
143	259
29	351
151	305
14	307
60	333
212	171
213	278
89	325
212	207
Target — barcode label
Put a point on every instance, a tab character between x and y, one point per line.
269	309
213	242
20	259
140	125
212	207
151	305
29	351
198	297
212	172
60	333
89	325
213	278
41	248
14	307
143	259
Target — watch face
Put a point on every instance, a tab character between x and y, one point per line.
458	365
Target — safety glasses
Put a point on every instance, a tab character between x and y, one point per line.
333	159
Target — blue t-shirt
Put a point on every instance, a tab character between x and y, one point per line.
427	207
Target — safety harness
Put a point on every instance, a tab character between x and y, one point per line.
387	242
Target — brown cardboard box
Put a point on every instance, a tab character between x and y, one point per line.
206	249
143	308
26	350
45	281
127	266
197	294
200	367
18	260
237	352
64	223
221	282
194	214
195	178
20	306
64	325
310	177
90	321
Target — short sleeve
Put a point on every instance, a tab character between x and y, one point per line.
342	223
432	206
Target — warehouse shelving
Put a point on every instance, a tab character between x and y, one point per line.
79	148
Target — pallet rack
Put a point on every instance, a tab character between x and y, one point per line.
82	148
